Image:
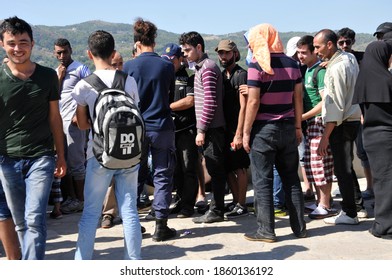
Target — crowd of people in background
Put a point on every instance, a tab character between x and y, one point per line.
305	107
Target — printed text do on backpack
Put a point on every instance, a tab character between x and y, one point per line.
118	126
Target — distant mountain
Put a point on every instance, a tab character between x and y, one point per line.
77	34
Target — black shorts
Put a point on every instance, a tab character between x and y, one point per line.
235	159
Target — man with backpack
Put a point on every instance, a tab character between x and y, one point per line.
113	149
319	170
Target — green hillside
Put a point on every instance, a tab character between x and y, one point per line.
77	34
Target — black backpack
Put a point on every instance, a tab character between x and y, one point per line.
117	126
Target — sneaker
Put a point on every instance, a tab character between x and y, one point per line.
201	206
362	214
320	213
302	234
56	215
185	213
151	215
143	202
230	206
208	217
107	221
201	203
259	237
367	194
72	207
341	219
310	207
238	211
280	212
176	208
66	202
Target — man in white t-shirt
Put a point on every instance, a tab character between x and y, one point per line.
98	178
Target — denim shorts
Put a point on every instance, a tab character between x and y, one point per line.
5	212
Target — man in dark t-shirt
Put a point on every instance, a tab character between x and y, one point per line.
30	127
234	103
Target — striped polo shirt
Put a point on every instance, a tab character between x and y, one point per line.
276	91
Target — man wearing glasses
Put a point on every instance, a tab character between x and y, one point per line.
346	39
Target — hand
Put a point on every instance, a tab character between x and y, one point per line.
74	121
237	142
243	89
61	167
61	71
322	149
246	142
200	139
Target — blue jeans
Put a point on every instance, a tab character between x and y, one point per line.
5	212
96	185
27	184
361	153
162	148
275	143
278	191
341	142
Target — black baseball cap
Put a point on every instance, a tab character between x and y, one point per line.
383	28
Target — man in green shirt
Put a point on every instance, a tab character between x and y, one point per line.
30	127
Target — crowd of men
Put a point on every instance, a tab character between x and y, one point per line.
193	112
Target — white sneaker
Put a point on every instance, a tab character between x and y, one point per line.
341	219
362	214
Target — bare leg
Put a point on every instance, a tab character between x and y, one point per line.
238	182
325	195
201	194
308	190
9	239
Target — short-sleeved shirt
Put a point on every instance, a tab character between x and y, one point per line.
75	72
85	95
24	112
276	91
183	119
312	92
231	99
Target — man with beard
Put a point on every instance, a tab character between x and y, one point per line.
234	103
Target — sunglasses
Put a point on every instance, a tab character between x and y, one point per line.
348	42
